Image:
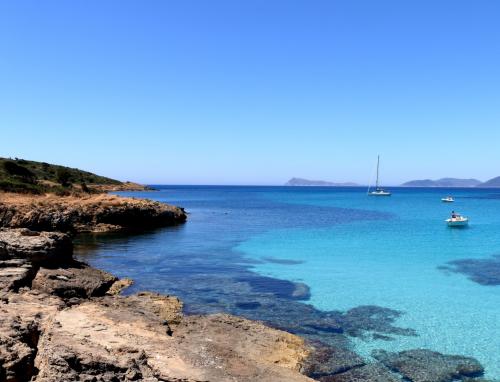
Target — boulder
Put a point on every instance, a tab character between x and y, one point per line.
76	281
37	247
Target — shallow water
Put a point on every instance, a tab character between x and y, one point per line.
350	249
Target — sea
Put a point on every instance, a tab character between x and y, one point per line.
330	263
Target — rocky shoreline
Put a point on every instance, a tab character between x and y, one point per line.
61	319
87	213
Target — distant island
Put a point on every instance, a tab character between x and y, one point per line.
454	182
307	182
492	183
443	182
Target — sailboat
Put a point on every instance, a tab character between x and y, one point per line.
378	190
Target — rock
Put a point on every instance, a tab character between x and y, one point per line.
15	273
76	281
91	213
366	373
482	271
37	247
371	319
119	285
326	360
423	365
22	317
118	338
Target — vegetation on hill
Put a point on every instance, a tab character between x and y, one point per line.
19	175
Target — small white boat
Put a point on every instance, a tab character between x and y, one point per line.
448	199
457	220
378	191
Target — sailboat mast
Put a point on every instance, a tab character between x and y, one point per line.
378	163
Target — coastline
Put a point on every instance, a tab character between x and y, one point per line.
66	288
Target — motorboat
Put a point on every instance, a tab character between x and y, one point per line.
457	220
447	199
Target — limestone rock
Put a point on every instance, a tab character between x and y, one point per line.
126	338
119	285
85	213
38	247
15	273
22	317
77	281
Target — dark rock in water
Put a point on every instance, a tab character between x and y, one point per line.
79	280
280	288
481	271
370	318
282	261
301	292
326	360
37	247
248	305
368	373
423	365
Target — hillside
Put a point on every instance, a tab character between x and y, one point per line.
492	183
443	182
307	182
19	175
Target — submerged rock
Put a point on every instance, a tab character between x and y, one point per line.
423	365
327	360
366	373
482	271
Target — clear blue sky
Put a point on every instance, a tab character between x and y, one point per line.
253	92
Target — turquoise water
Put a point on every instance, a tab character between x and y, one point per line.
243	248
395	263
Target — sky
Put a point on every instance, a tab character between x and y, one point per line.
253	92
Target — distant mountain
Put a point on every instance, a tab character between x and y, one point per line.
307	182
443	182
492	183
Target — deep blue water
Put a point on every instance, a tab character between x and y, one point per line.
383	273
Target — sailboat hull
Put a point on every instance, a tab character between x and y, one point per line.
380	193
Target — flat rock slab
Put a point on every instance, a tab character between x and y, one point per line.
37	247
118	338
77	281
423	365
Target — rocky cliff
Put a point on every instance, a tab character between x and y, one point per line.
90	213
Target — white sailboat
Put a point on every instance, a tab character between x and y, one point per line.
378	190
